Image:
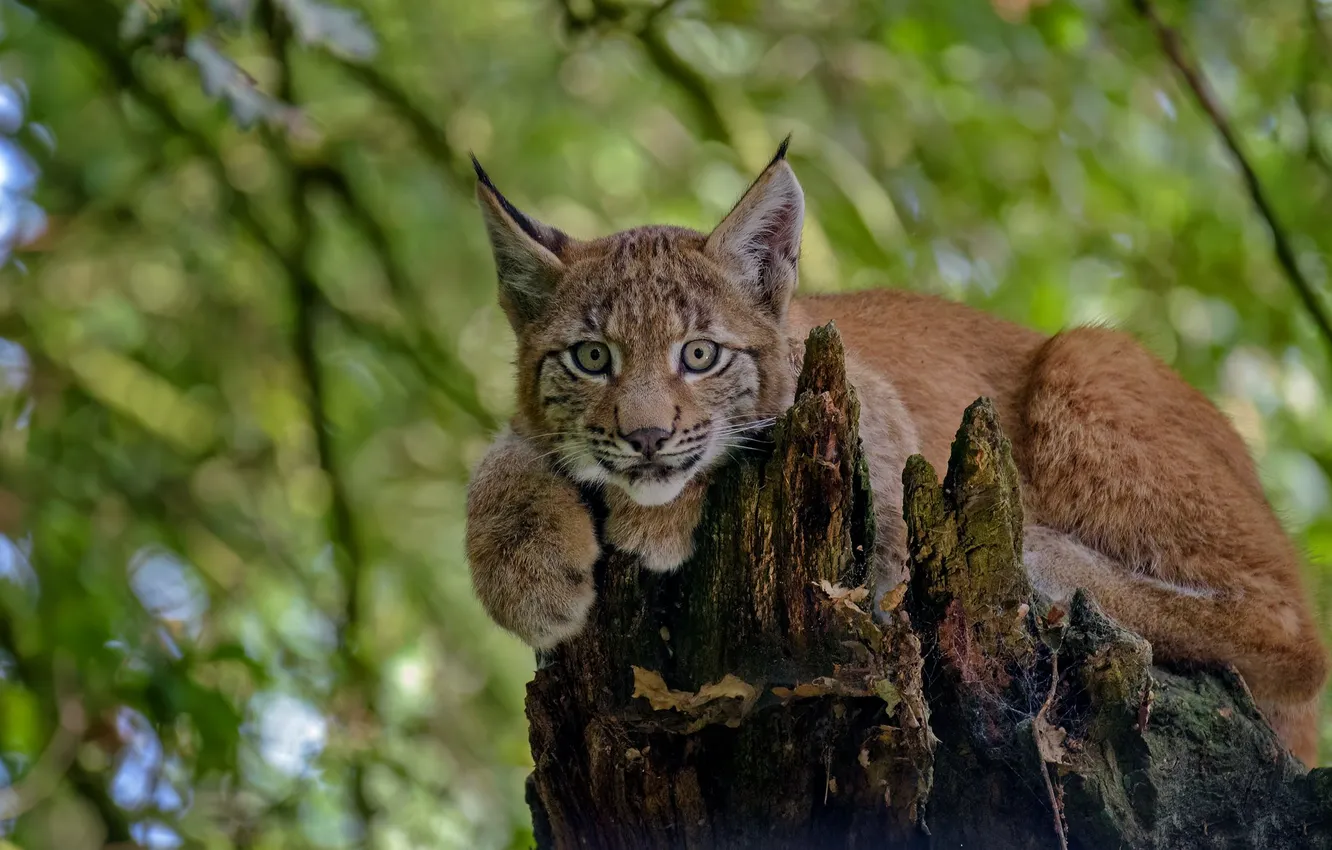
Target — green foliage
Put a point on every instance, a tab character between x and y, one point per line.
256	365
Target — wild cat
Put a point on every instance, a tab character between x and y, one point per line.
645	355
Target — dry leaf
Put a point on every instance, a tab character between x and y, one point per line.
844	596
837	593
821	686
893	598
889	693
729	687
649	685
860	653
1050	741
1225	712
1145	707
1054	616
1052	627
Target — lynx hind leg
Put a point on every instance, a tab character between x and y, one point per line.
1185	623
1118	451
531	545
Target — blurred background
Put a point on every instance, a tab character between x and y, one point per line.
249	345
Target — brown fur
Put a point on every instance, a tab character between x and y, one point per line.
531	544
1135	487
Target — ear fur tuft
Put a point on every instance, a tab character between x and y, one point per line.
550	238
480	172
527	252
758	243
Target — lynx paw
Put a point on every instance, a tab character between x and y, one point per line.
661	536
556	607
536	578
657	550
532	548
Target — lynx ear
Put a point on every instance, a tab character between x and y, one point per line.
758	243
527	253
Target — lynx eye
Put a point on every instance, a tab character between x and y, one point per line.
700	355
592	357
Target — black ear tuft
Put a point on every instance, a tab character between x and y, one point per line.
527	252
528	226
481	173
781	150
758	243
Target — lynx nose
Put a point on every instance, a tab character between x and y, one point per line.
647	441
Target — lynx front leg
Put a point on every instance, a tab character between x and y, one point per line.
662	536
531	545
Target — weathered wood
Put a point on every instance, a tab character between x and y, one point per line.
750	700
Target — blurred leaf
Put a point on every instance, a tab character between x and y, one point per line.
224	80
340	31
1015	10
232	10
21	725
134	23
173	694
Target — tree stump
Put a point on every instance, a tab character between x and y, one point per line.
752	699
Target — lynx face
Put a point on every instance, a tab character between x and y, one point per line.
646	367
645	356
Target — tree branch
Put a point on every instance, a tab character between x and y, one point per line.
1319	48
454	381
689	81
1177	53
430	135
435	361
309	305
671	65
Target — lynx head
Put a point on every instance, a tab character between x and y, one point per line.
644	356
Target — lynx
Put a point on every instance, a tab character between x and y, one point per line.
647	356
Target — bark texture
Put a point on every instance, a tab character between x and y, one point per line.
751	699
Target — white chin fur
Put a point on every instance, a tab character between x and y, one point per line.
589	473
649	495
655	493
